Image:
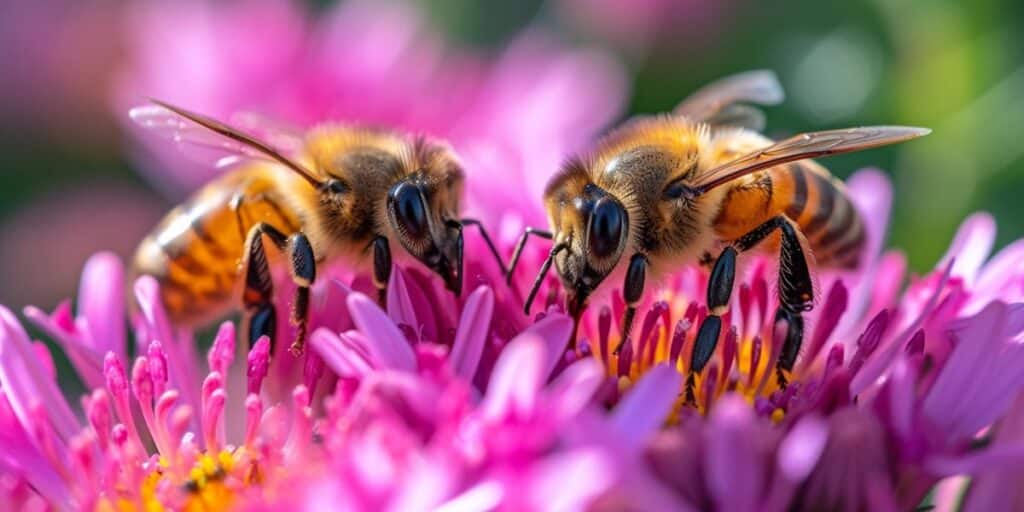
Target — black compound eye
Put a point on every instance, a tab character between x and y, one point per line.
607	226
677	190
409	210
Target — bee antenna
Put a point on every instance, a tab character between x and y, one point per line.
242	138
544	269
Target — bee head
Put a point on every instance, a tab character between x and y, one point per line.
598	230
426	234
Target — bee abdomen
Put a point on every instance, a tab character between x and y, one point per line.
196	251
826	216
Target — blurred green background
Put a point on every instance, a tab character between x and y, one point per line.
67	188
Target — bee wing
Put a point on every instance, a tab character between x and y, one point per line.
195	133
804	146
722	102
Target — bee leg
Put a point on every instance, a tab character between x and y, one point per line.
302	268
719	291
487	240
259	285
519	249
796	290
632	292
381	268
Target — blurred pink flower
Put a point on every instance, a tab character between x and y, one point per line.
511	118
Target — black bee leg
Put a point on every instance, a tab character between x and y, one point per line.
381	268
519	249
632	292
719	291
303	271
487	240
258	294
796	290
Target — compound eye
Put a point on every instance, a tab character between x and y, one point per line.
607	227
407	206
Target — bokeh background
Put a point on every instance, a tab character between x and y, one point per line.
71	182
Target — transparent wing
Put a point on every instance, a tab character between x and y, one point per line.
207	139
803	146
722	102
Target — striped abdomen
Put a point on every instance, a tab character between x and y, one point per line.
196	251
806	193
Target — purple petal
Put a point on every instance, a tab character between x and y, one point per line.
101	302
871	192
554	330
801	448
1002	278
517	377
982	375
472	333
574	388
387	344
646	405
734	474
883	358
797	455
970	246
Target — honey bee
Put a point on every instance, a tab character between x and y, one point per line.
672	189
340	192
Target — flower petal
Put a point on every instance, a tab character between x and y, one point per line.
982	376
970	246
387	344
339	358
23	380
472	333
735	474
400	307
646	405
101	302
554	330
517	377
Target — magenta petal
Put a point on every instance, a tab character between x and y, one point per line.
472	333
517	377
337	356
101	302
570	481
970	246
400	307
646	405
554	330
87	362
24	381
19	455
387	344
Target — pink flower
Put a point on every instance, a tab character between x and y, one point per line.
515	117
